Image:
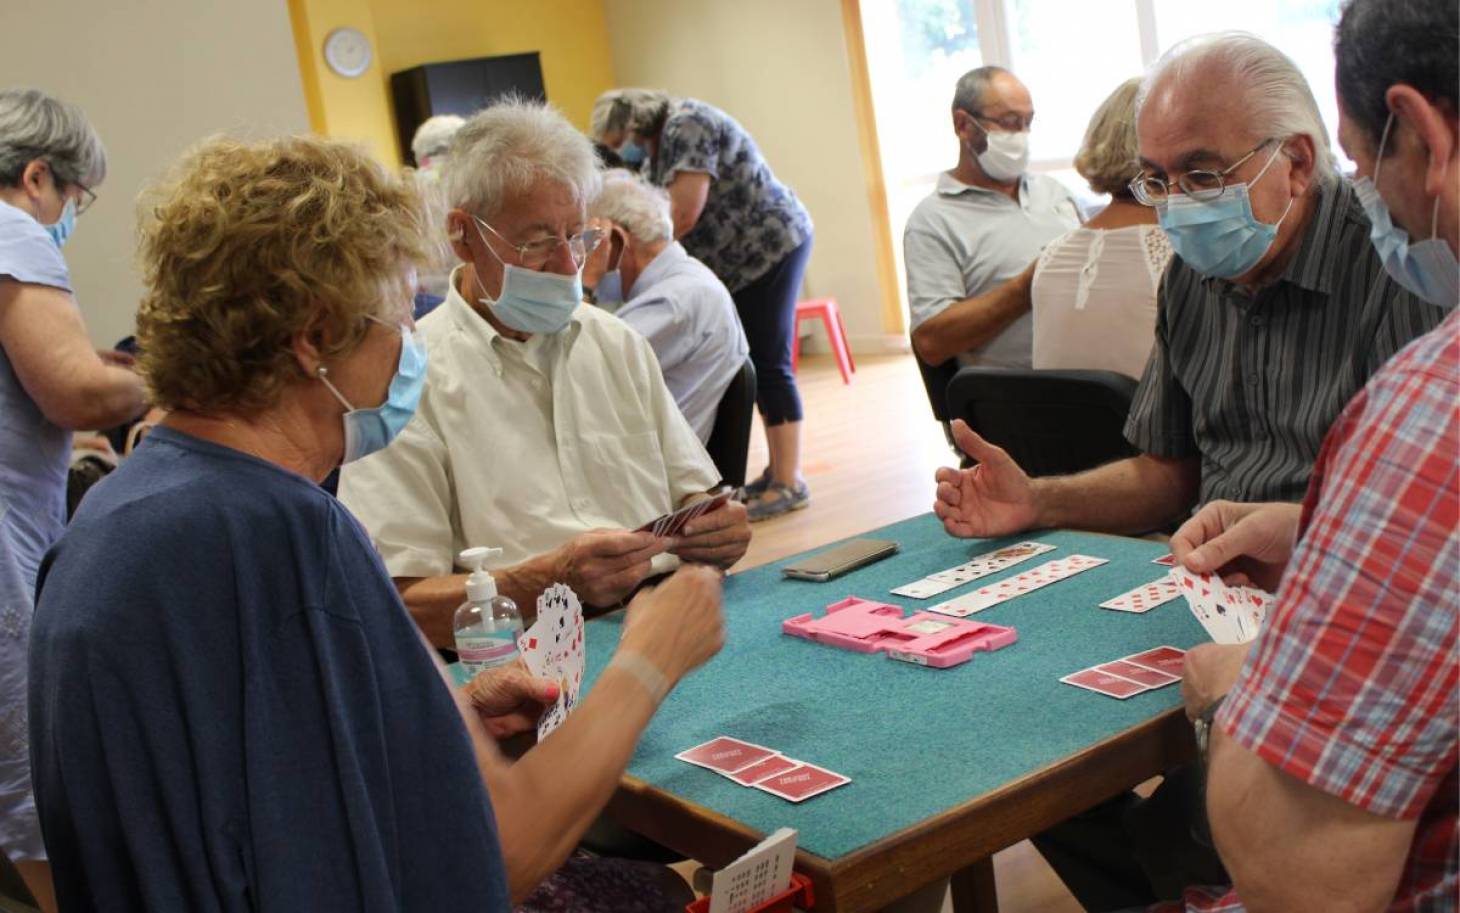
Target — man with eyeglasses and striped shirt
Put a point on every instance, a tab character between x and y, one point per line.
1274	313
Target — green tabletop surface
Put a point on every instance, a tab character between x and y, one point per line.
916	741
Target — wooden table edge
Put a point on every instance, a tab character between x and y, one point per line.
960	837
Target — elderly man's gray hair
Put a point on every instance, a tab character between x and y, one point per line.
1271	89
434	135
636	205
972	86
508	147
636	110
33	125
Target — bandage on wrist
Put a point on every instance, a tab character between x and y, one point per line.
646	672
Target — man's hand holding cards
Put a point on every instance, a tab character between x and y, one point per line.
712	530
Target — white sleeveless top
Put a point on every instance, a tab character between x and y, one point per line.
1094	297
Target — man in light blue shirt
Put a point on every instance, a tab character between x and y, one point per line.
673	300
983	226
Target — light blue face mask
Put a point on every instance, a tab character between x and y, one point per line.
369	430
610	291
1220	237
632	153
1428	268
534	301
62	229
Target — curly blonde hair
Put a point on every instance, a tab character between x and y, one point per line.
1109	156
247	244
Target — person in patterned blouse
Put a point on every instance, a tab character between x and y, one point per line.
732	214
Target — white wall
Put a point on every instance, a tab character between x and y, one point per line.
780	68
154	76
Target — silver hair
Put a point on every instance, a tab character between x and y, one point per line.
504	149
635	110
636	205
34	125
968	94
434	135
1272	90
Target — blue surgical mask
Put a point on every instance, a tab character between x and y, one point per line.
61	229
632	153
1427	268
533	301
369	430
1220	237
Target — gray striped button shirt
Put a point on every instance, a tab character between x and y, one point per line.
1252	382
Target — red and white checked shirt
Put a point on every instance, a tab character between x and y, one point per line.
1352	687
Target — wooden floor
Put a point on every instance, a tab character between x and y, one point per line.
869	452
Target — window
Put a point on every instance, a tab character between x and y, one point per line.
1071	55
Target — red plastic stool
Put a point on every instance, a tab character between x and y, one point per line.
836	333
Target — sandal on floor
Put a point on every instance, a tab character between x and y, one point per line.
778	499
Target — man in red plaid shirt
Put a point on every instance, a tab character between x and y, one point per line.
1332	770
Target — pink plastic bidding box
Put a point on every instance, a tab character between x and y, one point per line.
924	638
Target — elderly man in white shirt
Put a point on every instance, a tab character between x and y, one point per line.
648	280
545	427
969	247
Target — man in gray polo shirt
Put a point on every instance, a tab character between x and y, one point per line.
1274	312
983	226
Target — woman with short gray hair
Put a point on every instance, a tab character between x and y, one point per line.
51	382
730	213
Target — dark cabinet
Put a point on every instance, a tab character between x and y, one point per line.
459	87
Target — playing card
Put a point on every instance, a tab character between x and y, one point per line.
553	648
922	589
758	771
801	782
1104	683
1161	659
1145	597
995	593
1168	560
726	755
672	523
1230	615
1141	675
992	562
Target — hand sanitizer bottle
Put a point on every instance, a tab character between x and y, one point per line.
487	625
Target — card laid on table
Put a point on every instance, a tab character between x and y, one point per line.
726	755
760	770
1166	560
1145	597
1161	659
1105	683
1141	675
802	782
979	566
1033	579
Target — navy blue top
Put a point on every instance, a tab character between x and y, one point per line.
231	709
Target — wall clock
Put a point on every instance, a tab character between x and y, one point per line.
347	51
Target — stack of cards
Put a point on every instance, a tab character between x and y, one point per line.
553	649
995	593
763	768
1230	614
762	874
980	566
1145	597
670	524
1132	675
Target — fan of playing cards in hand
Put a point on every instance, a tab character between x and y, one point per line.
1230	614
553	649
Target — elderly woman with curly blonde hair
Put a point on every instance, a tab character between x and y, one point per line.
230	707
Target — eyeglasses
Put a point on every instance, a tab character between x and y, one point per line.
536	254
1014	123
87	198
1201	185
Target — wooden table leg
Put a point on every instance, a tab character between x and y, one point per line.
973	888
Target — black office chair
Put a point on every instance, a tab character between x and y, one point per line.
935	381
1050	422
729	444
14	898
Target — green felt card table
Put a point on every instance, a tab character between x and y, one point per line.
948	766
